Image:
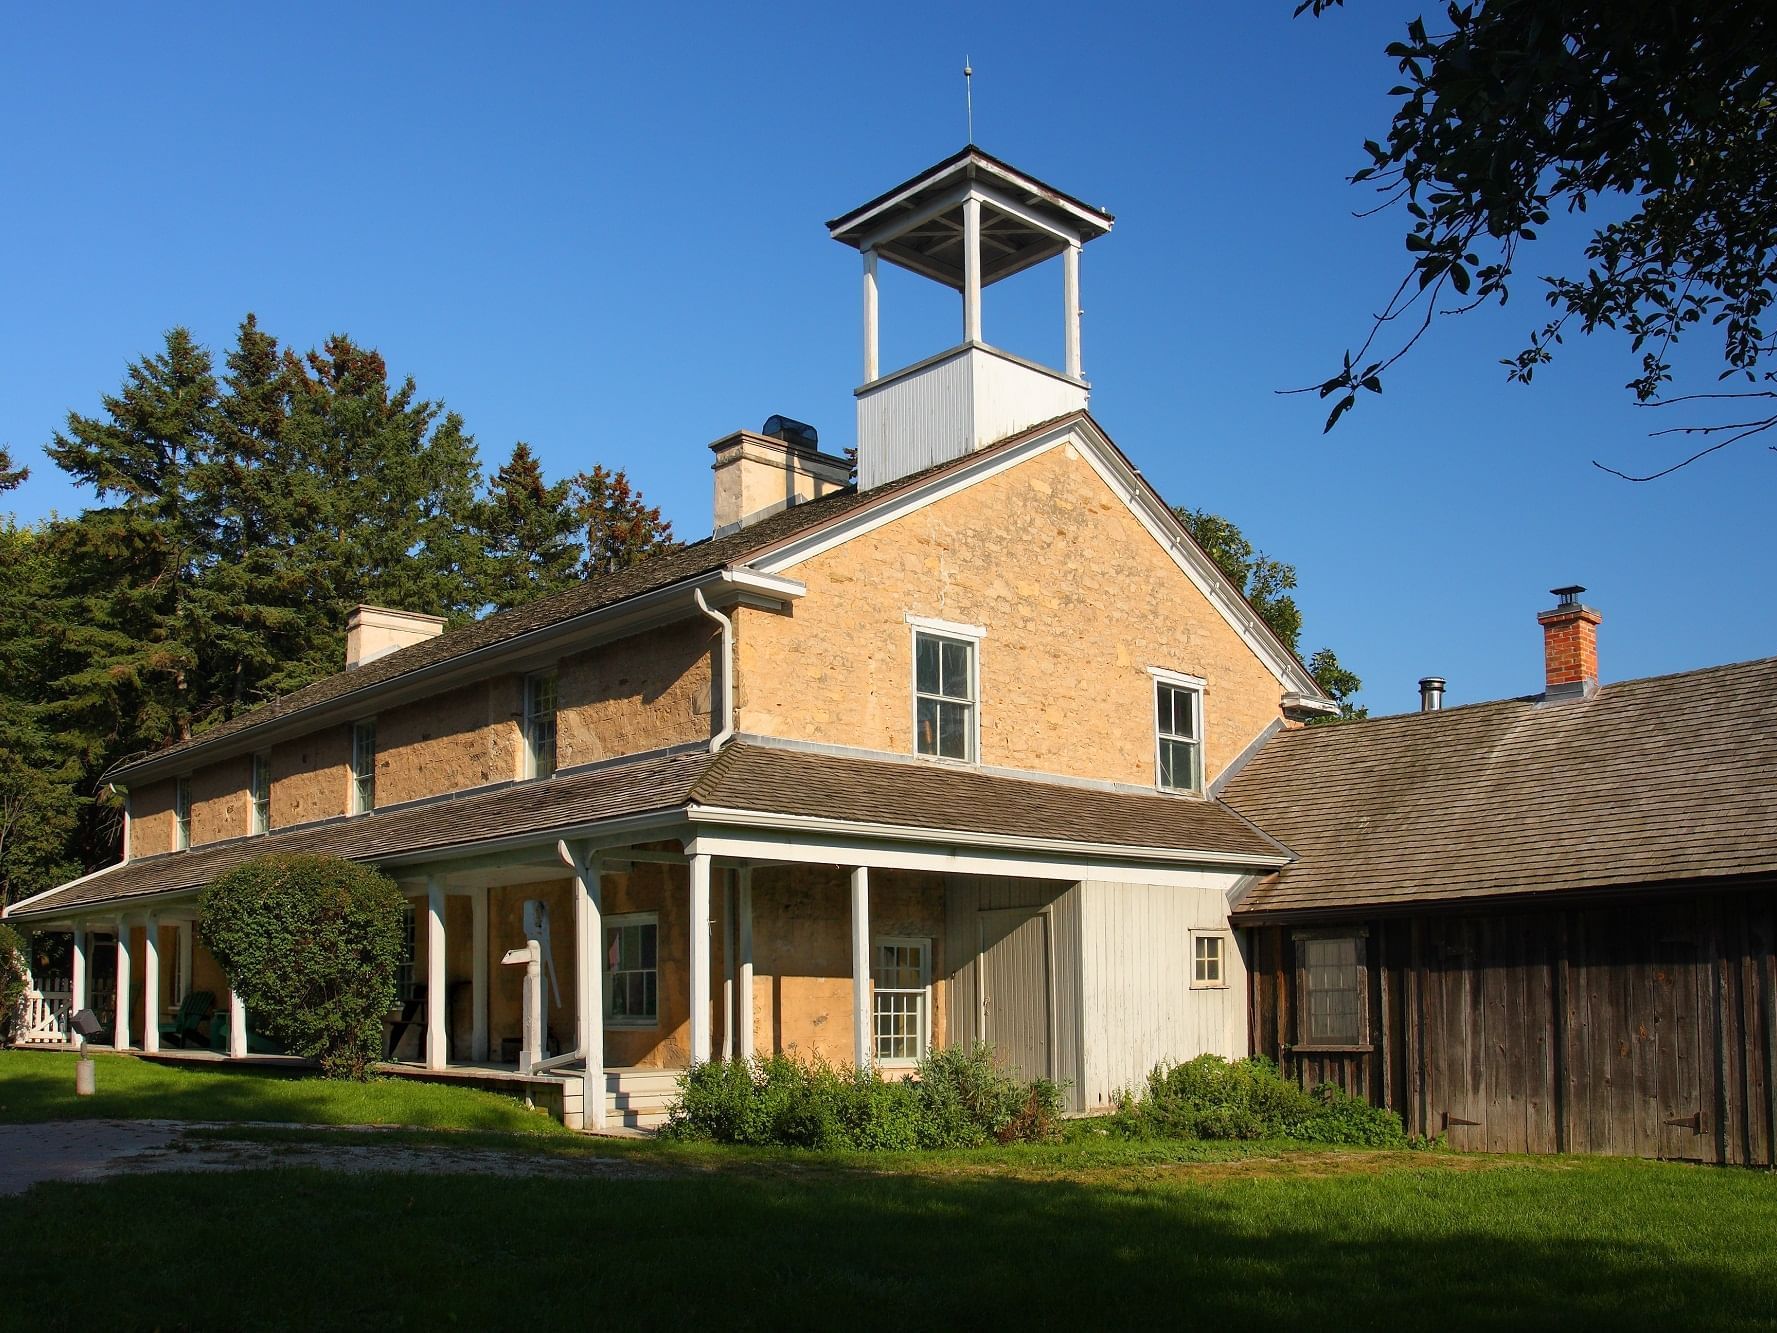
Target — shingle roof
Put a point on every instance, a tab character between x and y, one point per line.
925	795
662	570
1667	778
659	782
743	776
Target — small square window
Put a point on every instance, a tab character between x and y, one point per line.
943	696
1209	960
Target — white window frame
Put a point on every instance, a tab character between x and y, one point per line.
533	685
1225	942
259	794
1194	685
923	991
971	635
361	802
182	813
630	1021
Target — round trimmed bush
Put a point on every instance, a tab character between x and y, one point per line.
13	977
312	945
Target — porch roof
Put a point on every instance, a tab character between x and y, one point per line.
769	781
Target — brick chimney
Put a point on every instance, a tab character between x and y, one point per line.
377	631
1570	647
758	475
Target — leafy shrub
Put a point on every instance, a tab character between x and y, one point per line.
312	945
1213	1098
955	1098
13	977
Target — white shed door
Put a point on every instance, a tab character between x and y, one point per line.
1014	980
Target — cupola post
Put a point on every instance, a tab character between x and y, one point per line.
967	222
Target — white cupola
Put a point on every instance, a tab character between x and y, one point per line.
966	222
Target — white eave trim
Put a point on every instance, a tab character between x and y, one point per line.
23	903
723	587
1129	487
940	837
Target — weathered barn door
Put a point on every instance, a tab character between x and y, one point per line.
1015	997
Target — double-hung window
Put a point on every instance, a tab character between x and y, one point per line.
539	725
1330	972
1179	732
944	694
181	814
903	999
632	970
261	794
364	766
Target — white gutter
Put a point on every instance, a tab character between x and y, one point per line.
726	733
847	828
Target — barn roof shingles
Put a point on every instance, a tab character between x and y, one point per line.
1661	779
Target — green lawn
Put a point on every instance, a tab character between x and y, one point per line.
1090	1234
39	1085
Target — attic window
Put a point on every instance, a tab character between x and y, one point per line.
946	688
181	814
1178	732
539	725
364	766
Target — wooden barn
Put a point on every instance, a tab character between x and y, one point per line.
1543	924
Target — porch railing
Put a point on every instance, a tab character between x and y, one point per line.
46	1017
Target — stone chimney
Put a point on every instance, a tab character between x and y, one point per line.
758	475
1570	647
377	631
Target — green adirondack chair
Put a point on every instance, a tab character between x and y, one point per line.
193	1010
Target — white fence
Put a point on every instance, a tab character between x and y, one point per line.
46	1014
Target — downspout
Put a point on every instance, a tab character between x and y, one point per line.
723	736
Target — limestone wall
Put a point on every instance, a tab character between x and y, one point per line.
1077	598
220	805
311	777
455	741
151	818
640	693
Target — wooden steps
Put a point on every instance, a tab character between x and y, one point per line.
639	1098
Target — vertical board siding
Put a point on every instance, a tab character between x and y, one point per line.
1139	1008
967	897
1647	1029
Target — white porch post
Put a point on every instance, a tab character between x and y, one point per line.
860	966
77	973
1070	283
437	1007
478	981
870	321
589	982
151	984
187	929
700	958
728	968
744	911
237	1025
120	1034
971	269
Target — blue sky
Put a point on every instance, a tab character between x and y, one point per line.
599	229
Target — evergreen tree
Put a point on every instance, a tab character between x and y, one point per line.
10	477
530	532
621	529
1268	586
